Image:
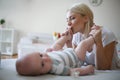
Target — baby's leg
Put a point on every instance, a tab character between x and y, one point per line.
86	44
83	47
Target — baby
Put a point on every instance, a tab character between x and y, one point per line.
59	62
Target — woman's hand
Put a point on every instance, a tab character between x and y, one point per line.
95	27
94	30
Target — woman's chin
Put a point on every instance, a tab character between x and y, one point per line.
75	32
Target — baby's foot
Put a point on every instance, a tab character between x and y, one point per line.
69	35
97	35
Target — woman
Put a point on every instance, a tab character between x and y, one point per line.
80	22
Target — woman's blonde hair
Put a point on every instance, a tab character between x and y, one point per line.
84	10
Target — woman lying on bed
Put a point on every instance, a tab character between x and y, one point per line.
80	19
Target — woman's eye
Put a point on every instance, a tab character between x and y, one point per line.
72	18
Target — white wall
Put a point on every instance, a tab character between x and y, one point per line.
47	16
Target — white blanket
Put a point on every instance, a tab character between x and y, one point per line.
8	72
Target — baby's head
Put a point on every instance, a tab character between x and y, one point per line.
34	64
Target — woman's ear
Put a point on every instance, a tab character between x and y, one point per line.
86	18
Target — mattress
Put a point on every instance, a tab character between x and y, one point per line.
8	72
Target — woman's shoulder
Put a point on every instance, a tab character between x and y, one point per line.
107	32
107	36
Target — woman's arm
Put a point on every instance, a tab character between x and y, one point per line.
104	56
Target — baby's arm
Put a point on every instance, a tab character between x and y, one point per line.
86	70
58	45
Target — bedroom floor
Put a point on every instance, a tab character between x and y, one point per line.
9	73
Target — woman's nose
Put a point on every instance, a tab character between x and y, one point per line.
69	23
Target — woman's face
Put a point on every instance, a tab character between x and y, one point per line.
76	22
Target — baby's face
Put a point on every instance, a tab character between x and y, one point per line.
45	63
34	64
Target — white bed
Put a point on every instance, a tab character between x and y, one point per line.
8	72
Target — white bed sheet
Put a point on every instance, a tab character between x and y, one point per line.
8	72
